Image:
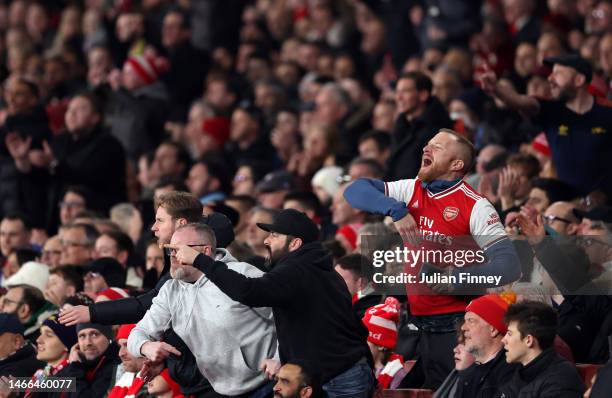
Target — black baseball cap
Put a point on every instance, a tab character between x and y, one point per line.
601	213
295	223
573	61
111	270
9	323
275	181
222	226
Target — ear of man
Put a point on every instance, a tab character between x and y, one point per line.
295	244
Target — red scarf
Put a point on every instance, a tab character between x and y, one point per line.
394	365
127	386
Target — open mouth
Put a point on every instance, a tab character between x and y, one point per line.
427	162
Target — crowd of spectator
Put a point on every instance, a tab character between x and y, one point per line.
192	191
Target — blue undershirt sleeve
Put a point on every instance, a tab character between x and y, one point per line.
369	195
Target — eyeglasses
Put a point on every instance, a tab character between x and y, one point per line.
73	243
588	242
70	205
241	178
51	252
6	301
549	219
172	252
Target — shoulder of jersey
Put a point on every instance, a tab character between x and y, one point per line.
469	191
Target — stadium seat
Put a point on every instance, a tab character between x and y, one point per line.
587	371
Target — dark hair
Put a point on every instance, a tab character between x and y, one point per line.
71	274
246	200
534	318
216	168
309	374
181	205
353	262
186	20
382	139
18	216
91	233
123	241
32	296
376	168
421	81
529	162
32	87
94	101
177	184
26	254
335	247
309	200
82	191
356	263
556	190
182	155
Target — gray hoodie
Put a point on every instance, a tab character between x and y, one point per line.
229	340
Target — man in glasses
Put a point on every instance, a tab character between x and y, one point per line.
230	340
29	305
559	217
173	210
78	244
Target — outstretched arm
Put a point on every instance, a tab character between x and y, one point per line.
370	195
506	93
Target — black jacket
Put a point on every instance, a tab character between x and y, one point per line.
311	305
22	363
97	383
34	124
188	67
409	138
547	376
487	383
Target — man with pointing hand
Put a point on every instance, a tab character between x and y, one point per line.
311	304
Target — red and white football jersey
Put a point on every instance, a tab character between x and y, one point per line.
456	211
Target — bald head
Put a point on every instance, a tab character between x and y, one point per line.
560	217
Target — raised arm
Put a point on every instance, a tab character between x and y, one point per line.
506	93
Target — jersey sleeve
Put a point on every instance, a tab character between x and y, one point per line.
401	190
485	224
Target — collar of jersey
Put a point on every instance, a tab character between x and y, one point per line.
438	186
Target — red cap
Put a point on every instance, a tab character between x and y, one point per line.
148	68
217	128
124	331
492	309
381	321
176	389
350	234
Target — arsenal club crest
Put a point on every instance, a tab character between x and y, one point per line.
450	213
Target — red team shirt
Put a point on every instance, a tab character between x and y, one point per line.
456	211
